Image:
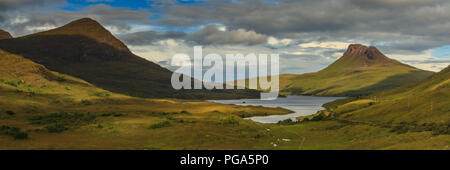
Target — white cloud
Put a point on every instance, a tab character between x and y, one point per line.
222	28
44	27
436	67
19	20
328	44
274	41
213	35
168	42
422	60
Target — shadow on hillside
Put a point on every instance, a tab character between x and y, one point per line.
389	83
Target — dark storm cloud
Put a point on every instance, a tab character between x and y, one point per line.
265	17
110	15
209	35
401	25
118	18
13	4
341	19
394	3
184	16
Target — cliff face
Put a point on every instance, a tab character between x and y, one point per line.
370	55
358	55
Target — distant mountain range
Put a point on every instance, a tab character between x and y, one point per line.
360	71
85	49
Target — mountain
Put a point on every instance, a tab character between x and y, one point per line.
90	29
360	71
86	50
4	35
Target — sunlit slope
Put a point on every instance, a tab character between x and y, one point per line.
425	102
360	71
22	76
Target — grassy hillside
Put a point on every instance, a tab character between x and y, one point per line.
360	71
427	101
422	106
21	76
86	50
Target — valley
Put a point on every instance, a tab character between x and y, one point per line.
78	87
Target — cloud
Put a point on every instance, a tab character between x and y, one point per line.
391	3
210	34
149	37
409	20
330	44
277	42
14	4
25	21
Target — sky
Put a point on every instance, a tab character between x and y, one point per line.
308	34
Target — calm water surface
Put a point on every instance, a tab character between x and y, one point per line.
301	105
